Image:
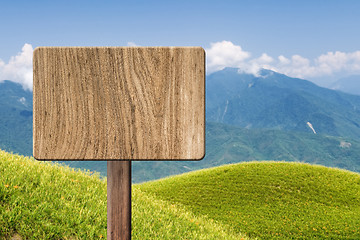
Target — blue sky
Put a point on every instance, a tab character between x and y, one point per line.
257	33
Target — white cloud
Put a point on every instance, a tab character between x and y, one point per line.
339	61
19	68
226	54
218	56
283	60
265	59
254	65
132	44
296	66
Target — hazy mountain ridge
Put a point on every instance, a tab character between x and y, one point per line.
350	84
230	144
16	118
275	101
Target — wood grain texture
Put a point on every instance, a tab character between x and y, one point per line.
111	103
119	200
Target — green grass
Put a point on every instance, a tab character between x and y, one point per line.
263	200
270	200
153	218
40	200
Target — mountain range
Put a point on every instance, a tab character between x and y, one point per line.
15	118
265	117
350	84
276	101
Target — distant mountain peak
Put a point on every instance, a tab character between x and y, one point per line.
7	83
264	73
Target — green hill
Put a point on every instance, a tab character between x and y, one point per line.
41	200
267	200
270	200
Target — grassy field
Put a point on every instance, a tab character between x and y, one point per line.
264	200
270	200
40	200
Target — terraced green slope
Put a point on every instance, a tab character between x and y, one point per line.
270	200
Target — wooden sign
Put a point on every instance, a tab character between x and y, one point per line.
112	103
119	103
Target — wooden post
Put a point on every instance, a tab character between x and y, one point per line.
119	200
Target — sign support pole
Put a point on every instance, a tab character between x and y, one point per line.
119	200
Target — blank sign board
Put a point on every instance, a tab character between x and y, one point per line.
119	103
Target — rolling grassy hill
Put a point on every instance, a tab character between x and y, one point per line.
267	200
40	200
270	200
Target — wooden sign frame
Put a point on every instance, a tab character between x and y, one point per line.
119	103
